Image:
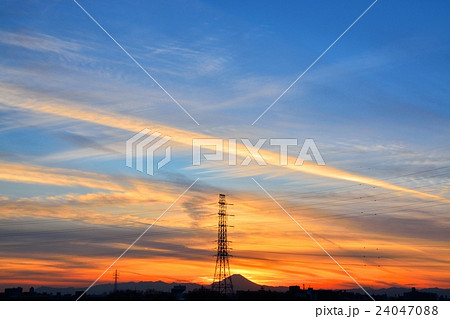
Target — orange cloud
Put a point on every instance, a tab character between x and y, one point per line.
14	97
268	247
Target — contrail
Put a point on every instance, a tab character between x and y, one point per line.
184	137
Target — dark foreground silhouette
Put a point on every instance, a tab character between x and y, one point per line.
244	290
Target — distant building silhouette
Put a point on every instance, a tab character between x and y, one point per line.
13	292
294	289
247	291
415	295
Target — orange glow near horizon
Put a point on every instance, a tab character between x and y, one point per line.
341	182
268	249
103	214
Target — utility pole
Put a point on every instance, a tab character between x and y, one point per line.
222	276
115	276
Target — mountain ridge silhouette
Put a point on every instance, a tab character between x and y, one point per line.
239	283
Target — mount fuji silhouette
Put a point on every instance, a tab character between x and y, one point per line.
239	283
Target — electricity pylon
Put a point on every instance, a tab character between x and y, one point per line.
222	276
115	276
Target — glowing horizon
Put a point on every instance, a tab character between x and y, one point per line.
376	105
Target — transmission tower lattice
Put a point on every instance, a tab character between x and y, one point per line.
222	276
115	276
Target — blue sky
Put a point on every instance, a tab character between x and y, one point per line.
215	52
377	104
383	84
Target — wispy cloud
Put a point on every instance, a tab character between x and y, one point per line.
183	137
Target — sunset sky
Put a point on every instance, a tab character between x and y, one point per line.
376	105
